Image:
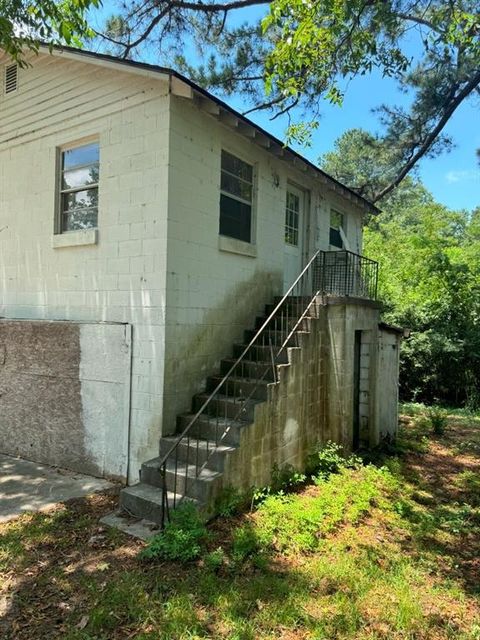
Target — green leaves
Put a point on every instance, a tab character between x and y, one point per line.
25	25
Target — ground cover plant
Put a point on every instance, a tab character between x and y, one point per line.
384	550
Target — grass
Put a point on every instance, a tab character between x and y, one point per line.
388	550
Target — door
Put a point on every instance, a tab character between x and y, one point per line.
356	389
294	235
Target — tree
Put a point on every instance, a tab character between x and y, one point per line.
429	279
24	25
301	53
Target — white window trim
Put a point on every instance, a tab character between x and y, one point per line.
79	238
57	230
342	229
253	221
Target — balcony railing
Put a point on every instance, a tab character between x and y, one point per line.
344	273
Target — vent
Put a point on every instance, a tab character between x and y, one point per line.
11	78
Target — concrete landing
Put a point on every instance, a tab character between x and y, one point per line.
28	486
136	527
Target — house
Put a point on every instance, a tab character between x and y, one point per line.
147	232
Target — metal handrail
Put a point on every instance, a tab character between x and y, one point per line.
289	323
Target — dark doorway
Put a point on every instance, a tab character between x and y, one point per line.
356	390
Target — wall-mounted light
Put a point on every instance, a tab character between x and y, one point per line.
276	179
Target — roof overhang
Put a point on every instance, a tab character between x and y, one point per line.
183	87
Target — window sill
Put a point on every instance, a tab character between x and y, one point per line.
231	245
75	238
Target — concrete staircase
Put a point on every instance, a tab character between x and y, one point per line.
195	472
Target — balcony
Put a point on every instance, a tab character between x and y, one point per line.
346	274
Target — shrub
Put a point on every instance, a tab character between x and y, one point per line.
182	537
438	420
231	501
245	543
329	459
215	559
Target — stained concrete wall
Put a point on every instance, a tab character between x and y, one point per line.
216	286
117	274
312	402
65	394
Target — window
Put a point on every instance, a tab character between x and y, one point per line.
79	187
336	223
292	212
236	197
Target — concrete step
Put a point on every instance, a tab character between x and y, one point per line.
192	481
291	309
146	501
249	369
197	451
277	323
259	353
275	338
239	387
226	407
199	484
215	429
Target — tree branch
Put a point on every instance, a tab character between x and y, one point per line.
430	138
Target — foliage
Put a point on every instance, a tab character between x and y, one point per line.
438	418
245	543
24	25
283	521
215	559
231	501
182	537
328	459
429	279
291	53
405	566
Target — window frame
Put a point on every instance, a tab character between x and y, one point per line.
59	191
239	156
342	226
291	188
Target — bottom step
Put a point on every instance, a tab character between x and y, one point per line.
145	501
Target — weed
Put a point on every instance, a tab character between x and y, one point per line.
245	543
215	560
438	419
329	459
231	501
181	539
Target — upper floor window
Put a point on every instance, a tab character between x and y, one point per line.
236	198
337	223
79	187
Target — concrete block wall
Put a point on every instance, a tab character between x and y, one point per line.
313	400
216	287
294	420
121	277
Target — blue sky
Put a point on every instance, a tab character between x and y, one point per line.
453	178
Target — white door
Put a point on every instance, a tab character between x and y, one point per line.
294	236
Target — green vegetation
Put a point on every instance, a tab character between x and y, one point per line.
182	537
429	276
381	551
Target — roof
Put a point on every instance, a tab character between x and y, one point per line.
278	146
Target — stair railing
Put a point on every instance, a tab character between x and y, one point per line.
233	398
